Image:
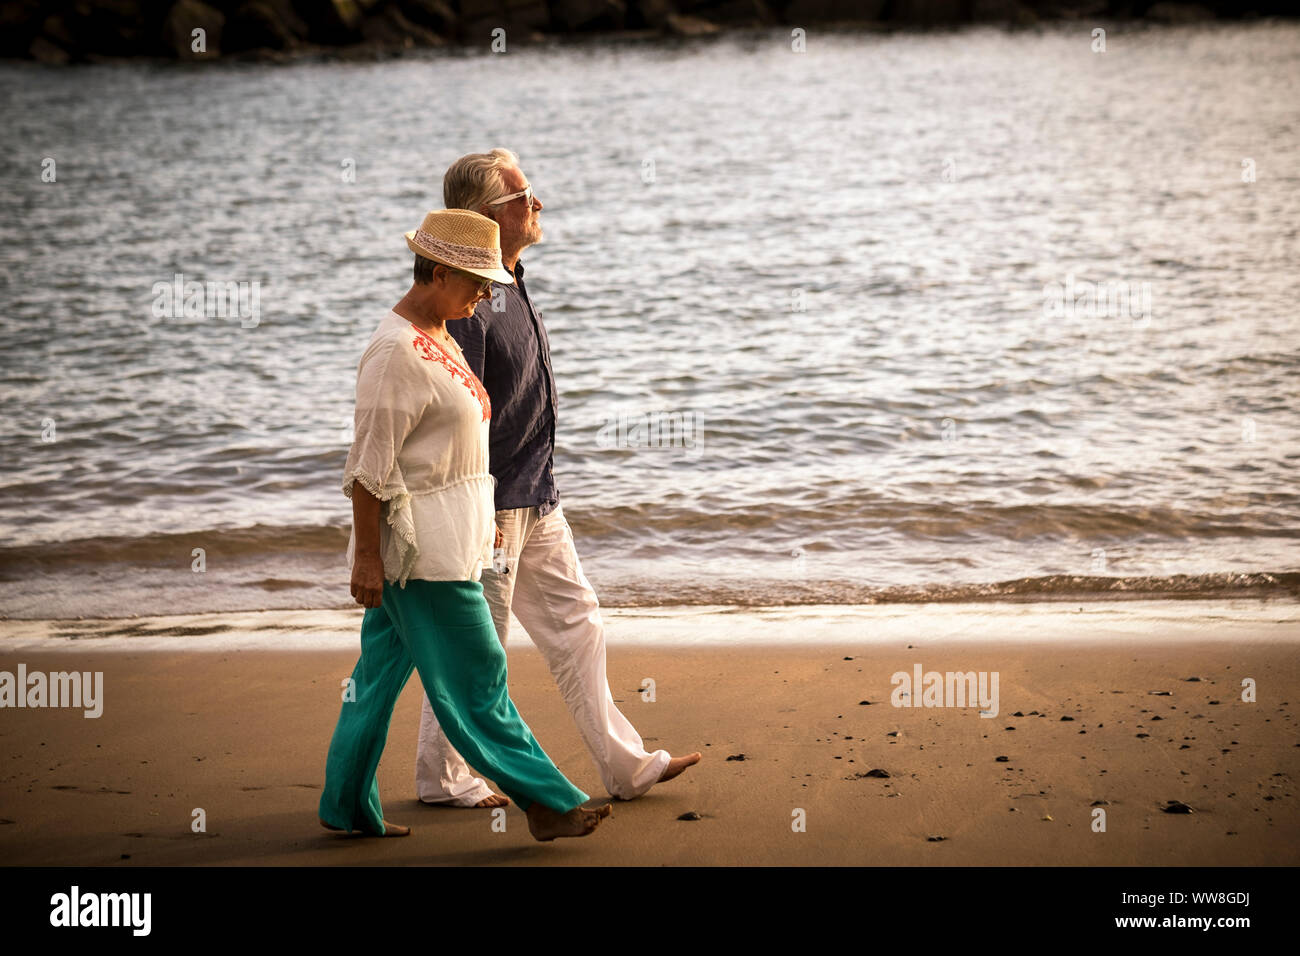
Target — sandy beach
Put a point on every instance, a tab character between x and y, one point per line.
1120	708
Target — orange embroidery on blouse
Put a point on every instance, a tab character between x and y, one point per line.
431	351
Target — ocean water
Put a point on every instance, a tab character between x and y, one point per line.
912	317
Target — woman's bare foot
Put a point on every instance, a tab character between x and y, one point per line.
678	764
545	824
494	800
390	830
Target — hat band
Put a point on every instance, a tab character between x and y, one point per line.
464	257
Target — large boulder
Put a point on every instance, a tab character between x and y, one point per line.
740	13
589	14
20	24
1179	13
685	25
834	11
186	16
43	51
287	14
928	13
391	30
116	28
435	15
1080	9
519	18
649	13
257	26
331	22
1011	12
533	14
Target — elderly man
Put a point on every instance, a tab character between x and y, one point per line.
539	576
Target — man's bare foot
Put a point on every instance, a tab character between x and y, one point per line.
494	800
390	830
545	824
678	764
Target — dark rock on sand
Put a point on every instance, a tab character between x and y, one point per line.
1174	806
689	815
1002	759
736	757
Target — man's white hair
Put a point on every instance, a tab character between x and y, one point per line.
475	179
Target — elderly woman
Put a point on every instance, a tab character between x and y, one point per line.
422	510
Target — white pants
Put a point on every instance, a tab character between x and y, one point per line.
554	601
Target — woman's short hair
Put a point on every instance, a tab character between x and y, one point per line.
474	180
423	272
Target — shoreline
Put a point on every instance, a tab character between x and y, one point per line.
1049	622
65	36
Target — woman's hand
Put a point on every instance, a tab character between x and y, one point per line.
368	579
367	565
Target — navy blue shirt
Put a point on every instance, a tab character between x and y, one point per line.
511	355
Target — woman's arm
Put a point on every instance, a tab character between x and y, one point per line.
367	565
392	396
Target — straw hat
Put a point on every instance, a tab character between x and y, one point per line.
463	240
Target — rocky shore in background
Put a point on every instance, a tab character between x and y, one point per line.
78	31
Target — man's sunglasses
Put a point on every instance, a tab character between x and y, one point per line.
526	192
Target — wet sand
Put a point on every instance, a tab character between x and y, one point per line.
1088	719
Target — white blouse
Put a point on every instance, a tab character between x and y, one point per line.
421	448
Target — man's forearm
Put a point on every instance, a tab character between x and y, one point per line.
365	520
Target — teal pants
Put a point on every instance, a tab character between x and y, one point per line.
444	630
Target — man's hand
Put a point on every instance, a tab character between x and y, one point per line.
368	579
500	539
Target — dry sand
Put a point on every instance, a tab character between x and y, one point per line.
243	733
